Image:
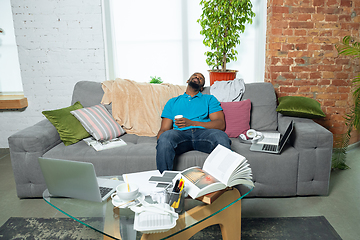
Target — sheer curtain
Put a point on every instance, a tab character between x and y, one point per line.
162	38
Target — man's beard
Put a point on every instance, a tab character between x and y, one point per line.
194	85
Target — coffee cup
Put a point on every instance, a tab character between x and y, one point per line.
126	192
178	116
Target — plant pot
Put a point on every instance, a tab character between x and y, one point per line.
222	76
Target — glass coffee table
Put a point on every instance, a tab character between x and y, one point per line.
118	223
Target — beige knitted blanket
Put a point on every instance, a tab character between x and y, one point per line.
137	107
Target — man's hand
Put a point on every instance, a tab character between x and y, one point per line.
217	121
183	122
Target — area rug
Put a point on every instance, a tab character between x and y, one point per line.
252	228
290	228
47	228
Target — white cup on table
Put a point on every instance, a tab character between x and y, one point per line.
125	194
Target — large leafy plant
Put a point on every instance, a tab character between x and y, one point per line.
222	22
348	47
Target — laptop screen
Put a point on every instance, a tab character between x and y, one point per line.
73	179
286	135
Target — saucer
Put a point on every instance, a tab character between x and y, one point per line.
116	201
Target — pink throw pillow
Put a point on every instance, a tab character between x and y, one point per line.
237	117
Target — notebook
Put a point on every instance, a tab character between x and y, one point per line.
269	148
65	178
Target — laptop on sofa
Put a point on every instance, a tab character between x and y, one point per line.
269	148
74	179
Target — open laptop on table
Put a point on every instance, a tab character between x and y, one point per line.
268	148
65	178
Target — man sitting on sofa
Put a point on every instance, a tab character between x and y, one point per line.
201	128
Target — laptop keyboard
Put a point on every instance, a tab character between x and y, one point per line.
268	147
104	191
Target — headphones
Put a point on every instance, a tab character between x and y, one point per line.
251	136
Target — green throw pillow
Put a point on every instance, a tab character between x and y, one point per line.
296	106
69	128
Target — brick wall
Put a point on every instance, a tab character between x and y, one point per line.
301	59
59	43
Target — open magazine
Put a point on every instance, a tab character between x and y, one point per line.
222	168
103	145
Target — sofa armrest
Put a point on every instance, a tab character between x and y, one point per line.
26	146
314	144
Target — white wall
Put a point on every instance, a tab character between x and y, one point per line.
59	43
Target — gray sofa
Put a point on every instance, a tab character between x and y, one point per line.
303	167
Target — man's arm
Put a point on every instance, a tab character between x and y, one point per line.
217	121
166	124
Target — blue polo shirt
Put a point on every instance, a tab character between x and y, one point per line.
197	108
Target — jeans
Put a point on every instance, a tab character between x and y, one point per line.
175	142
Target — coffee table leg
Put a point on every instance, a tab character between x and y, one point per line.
230	222
229	219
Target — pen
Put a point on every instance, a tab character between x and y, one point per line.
176	185
181	185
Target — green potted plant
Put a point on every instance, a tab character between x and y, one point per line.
222	22
348	47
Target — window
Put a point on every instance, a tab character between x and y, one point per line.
162	38
10	77
11	89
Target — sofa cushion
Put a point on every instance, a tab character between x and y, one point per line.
115	161
98	122
263	106
68	127
297	106
237	117
263	116
88	93
273	174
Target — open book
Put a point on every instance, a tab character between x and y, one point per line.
222	168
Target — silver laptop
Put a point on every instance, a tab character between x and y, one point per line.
269	148
65	178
